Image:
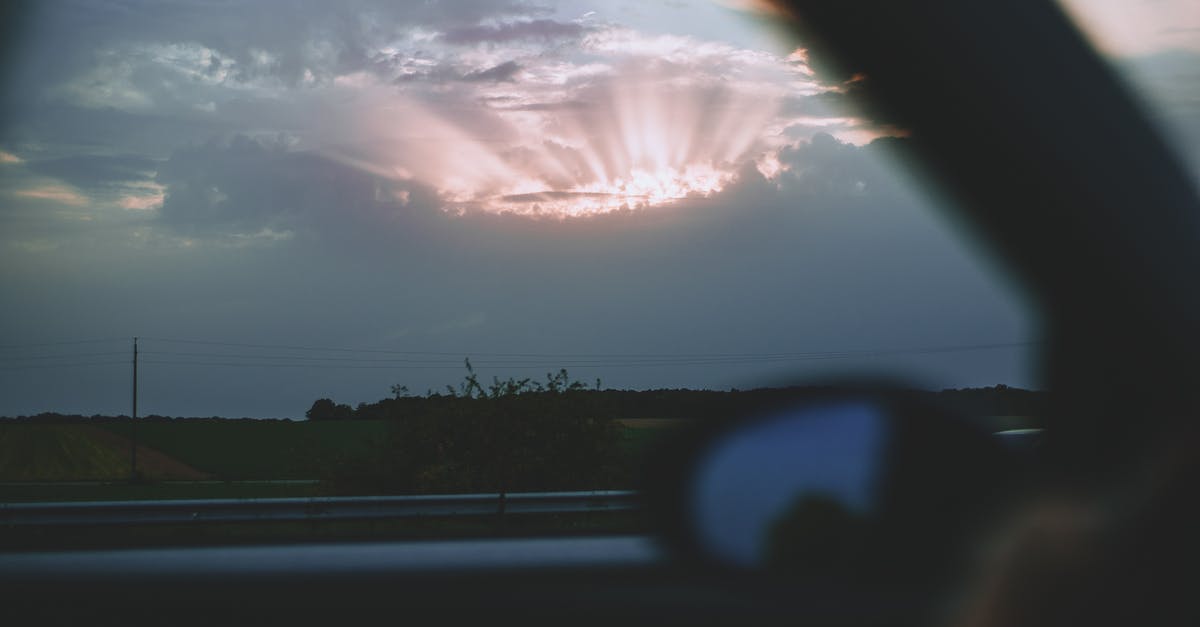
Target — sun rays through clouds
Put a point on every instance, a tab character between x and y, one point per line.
626	122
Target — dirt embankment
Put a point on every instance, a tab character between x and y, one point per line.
152	463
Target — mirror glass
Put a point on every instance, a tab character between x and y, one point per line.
794	490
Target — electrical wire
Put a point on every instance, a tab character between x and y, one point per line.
64	356
591	356
61	343
411	360
74	365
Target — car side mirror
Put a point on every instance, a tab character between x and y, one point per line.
833	484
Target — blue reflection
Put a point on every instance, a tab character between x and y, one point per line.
751	477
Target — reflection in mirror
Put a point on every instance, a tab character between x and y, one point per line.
793	491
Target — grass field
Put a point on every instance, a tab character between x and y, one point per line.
638	435
51	452
123	490
256	449
218	458
248	449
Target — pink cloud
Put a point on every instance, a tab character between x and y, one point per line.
55	193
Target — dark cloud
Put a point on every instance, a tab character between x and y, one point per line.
541	106
551	195
75	128
504	72
817	104
96	172
513	31
825	166
448	73
270	39
246	184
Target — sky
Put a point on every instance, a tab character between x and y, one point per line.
294	200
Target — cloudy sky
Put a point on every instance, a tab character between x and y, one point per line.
293	200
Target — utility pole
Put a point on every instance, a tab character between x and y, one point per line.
133	439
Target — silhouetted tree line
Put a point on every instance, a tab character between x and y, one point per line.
325	409
1000	400
525	435
50	417
506	436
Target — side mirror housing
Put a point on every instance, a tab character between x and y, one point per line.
838	484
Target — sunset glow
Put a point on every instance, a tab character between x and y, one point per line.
641	189
625	120
639	141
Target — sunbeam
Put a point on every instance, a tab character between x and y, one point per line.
639	140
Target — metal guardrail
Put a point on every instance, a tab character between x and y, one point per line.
311	509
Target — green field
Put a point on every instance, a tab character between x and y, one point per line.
256	449
249	449
212	458
53	452
123	490
219	458
639	435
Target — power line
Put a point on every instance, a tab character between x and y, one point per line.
59	343
598	356
305	348
302	357
75	365
61	356
609	357
441	361
401	364
278	365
